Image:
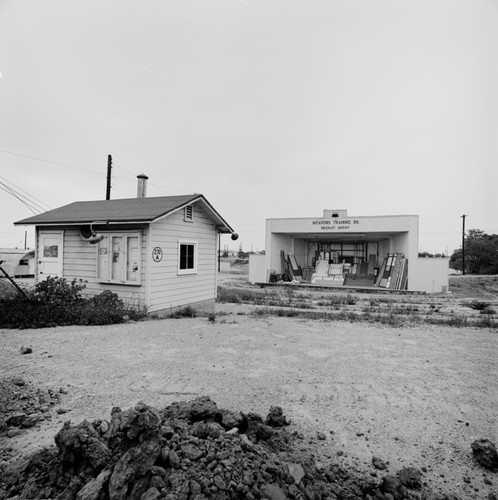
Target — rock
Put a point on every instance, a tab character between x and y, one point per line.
151	494
16	419
276	417
18	381
295	471
192	452
485	453
204	430
272	492
173	458
230	420
410	477
220	483
31	420
61	411
378	463
26	350
392	485
94	489
204	408
132	465
167	431
321	436
13	432
246	442
80	448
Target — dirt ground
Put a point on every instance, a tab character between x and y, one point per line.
413	396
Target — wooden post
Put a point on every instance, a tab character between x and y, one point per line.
108	185
17	287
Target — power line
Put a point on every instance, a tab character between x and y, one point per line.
28	195
115	165
166	188
49	161
26	203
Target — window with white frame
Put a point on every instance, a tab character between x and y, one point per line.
188	215
119	258
187	257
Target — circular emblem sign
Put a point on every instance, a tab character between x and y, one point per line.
157	254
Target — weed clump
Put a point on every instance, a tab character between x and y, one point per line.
479	305
185	312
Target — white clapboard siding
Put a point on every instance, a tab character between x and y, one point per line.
167	287
80	262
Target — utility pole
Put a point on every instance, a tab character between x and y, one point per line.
463	244
108	185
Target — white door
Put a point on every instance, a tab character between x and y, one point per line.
50	254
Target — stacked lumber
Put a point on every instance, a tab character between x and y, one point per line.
291	271
328	274
393	274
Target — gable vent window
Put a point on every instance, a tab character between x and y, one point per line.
189	213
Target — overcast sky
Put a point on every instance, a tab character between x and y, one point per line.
270	108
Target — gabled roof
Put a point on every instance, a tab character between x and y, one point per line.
127	210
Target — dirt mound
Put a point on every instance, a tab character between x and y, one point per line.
22	406
190	451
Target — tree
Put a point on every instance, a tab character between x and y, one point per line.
432	255
481	253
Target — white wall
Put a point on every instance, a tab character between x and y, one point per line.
274	244
168	289
80	262
429	275
257	270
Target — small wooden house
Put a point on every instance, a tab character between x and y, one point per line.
158	252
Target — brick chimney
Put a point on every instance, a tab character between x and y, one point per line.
141	185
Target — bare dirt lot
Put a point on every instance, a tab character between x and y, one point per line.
413	396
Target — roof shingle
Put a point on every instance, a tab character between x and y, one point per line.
133	210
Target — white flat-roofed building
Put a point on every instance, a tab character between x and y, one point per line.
342	250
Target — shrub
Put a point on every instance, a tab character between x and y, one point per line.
488	310
55	291
107	299
487	322
479	305
55	302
